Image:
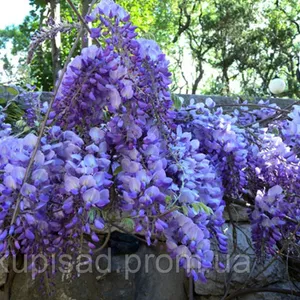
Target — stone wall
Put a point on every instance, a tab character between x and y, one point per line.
155	279
281	102
158	279
125	280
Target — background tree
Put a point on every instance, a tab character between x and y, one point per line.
215	46
153	18
243	41
50	56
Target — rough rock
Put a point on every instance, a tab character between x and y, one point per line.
274	296
238	214
254	296
154	279
281	102
3	271
240	265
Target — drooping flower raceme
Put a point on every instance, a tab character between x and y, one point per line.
5	129
116	151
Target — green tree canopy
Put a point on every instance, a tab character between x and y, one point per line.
214	45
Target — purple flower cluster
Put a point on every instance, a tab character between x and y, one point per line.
5	128
267	219
222	140
291	128
248	115
112	80
252	160
116	151
199	198
33	107
275	182
68	187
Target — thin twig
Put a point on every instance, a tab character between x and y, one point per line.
43	125
10	278
278	254
234	232
81	19
274	117
165	213
105	242
128	232
246	204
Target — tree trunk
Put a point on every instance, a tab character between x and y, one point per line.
197	80
11	276
39	52
84	9
55	42
225	80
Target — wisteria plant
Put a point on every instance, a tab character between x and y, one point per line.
115	150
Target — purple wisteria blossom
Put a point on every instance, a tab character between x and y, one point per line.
115	150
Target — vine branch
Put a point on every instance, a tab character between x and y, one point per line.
262	290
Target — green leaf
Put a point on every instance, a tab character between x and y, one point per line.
128	223
205	208
20	123
12	91
118	170
106	115
14	113
92	215
168	199
177	102
275	131
200	206
185	210
196	207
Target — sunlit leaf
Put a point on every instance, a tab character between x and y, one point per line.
128	223
177	101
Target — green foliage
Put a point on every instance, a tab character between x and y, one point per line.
155	19
177	102
246	42
41	71
241	43
200	206
117	170
8	103
128	224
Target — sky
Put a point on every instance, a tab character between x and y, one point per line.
13	12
